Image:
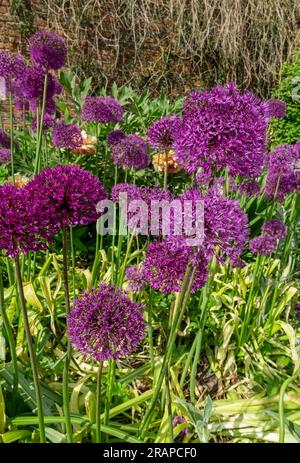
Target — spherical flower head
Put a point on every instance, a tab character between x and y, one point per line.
48	123
204	178
143	212
162	133
131	153
70	195
5	156
166	262
263	245
135	278
102	109
33	81
283	171
12	65
226	226
249	188
24	225
274	228
50	106
67	135
275	108
105	323
4	139
48	49
222	127
115	137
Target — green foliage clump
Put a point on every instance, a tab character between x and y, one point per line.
287	130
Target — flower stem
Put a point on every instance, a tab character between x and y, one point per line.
166	171
31	353
11	123
98	404
180	305
12	345
281	405
40	128
66	405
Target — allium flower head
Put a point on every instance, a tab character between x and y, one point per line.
48	49
33	80
115	137
102	109
24	226
5	156
12	65
67	135
162	133
263	245
225	224
50	106
275	108
104	323
135	278
283	171
48	123
143	211
274	228
131	153
70	195
220	128
4	139
166	262
249	188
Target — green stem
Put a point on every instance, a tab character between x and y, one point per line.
11	125
281	405
40	128
12	345
110	383
180	305
98	404
169	408
31	353
198	345
166	171
66	404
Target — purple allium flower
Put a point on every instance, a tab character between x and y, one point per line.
70	195
179	420
143	210
283	171
5	156
24	224
263	245
162	133
204	178
275	108
166	263
102	109
67	135
50	106
4	139
47	123
131	153
225	224
220	128
33	80
274	228
115	137
48	49
135	277
12	65
105	323
249	188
